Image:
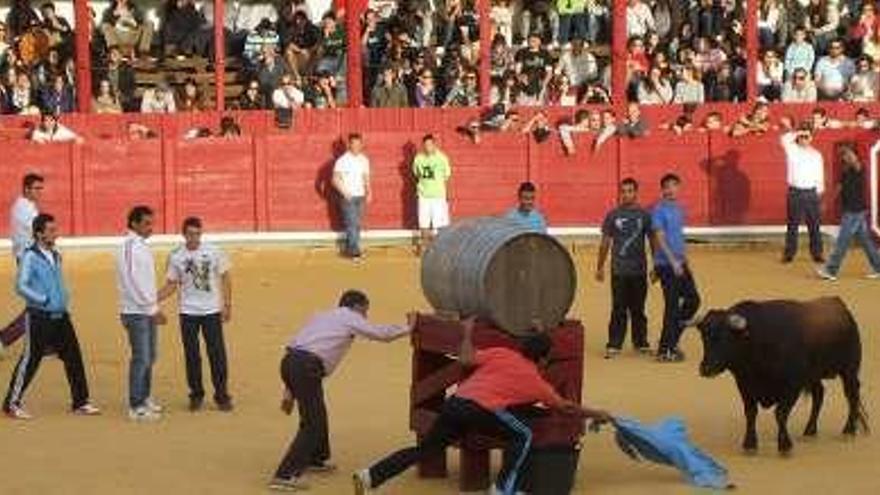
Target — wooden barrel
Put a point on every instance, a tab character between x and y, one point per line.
498	269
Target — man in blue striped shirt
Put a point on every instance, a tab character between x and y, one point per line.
41	284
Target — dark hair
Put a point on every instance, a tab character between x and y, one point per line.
669	178
428	137
39	223
536	347
581	115
31	179
355	136
194	222
629	181
352	298
526	187
137	214
47	5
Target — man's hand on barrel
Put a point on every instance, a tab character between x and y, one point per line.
412	319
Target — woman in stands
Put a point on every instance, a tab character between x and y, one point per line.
106	100
191	98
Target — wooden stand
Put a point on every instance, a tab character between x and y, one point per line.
434	369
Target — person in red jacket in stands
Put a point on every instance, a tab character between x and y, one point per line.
500	378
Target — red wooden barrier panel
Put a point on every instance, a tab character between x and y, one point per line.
274	179
54	161
117	175
579	189
214	178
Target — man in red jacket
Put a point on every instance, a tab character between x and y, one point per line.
500	378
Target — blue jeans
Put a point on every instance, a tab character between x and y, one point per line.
572	26
142	338
352	212
853	225
681	302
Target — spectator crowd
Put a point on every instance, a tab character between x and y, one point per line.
426	53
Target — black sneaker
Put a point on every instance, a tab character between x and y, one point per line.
643	349
225	405
195	404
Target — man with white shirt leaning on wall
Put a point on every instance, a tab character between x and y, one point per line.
201	272
351	179
806	183
139	311
24	210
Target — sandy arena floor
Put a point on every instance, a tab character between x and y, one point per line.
277	288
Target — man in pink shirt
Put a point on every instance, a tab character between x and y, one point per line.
311	356
500	378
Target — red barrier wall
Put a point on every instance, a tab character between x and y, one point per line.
274	180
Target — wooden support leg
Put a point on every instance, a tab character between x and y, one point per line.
433	467
474	476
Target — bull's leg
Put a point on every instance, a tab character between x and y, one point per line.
851	389
750	442
818	393
783	410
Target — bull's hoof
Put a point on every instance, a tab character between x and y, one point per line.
785	447
785	454
849	431
750	451
810	433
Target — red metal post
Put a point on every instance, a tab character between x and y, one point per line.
618	55
482	7
354	73
83	33
219	56
751	26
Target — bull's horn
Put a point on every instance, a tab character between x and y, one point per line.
696	320
737	321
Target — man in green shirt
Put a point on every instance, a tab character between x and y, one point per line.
432	171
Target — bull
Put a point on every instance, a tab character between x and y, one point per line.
778	349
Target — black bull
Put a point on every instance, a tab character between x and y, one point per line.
778	349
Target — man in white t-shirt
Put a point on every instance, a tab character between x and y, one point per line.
201	273
50	131
21	218
351	179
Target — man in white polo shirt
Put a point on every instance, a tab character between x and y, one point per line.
806	183
351	179
201	272
21	217
432	172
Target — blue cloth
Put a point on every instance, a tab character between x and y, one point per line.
667	443
532	219
668	217
40	282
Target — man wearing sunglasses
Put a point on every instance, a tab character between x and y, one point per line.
806	183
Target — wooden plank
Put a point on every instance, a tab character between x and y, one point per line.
436	383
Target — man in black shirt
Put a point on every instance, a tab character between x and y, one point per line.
623	233
853	222
534	61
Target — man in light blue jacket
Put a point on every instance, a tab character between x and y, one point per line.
41	284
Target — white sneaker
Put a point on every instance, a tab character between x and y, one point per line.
870	276
823	273
87	409
292	484
153	406
143	413
362	482
18	413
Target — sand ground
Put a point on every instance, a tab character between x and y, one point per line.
276	288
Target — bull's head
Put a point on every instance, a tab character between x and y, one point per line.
721	331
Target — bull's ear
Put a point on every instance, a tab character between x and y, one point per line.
737	322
